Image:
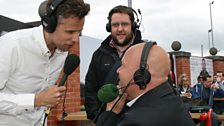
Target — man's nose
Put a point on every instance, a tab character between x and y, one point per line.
75	37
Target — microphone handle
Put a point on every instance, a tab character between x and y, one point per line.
63	79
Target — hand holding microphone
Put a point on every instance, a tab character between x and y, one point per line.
52	96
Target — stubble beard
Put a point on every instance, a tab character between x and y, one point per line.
126	41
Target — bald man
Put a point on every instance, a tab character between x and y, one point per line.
153	103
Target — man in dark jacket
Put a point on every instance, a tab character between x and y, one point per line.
143	81
106	59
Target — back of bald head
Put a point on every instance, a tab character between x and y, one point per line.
159	62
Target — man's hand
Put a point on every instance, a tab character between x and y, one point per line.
188	95
50	97
214	86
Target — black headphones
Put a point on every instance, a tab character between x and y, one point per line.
134	24
142	76
48	17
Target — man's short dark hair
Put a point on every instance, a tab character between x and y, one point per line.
200	77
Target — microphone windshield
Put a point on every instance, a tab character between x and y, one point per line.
71	63
107	93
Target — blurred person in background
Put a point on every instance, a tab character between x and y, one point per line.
184	89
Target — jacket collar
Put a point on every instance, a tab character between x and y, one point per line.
154	94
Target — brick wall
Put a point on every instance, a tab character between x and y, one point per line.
183	66
218	63
183	63
72	100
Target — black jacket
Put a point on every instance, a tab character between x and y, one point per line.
158	107
101	63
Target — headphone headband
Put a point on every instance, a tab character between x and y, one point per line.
145	52
137	19
142	76
48	17
54	6
134	24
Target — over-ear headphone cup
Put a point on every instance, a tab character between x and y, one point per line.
48	16
108	27
134	26
49	23
142	77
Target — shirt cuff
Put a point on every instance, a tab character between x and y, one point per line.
26	101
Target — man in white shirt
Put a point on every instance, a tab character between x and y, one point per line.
32	59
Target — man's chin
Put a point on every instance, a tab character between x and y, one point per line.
120	43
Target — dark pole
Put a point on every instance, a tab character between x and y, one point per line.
129	3
202	51
211	22
209	43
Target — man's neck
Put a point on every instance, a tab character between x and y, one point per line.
50	45
121	49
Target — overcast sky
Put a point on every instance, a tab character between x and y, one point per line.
164	21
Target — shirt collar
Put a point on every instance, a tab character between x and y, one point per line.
130	103
42	43
155	93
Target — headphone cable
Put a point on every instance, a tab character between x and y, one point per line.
121	95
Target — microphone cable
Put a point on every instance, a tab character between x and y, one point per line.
126	87
64	113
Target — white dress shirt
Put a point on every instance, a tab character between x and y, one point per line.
25	69
130	103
